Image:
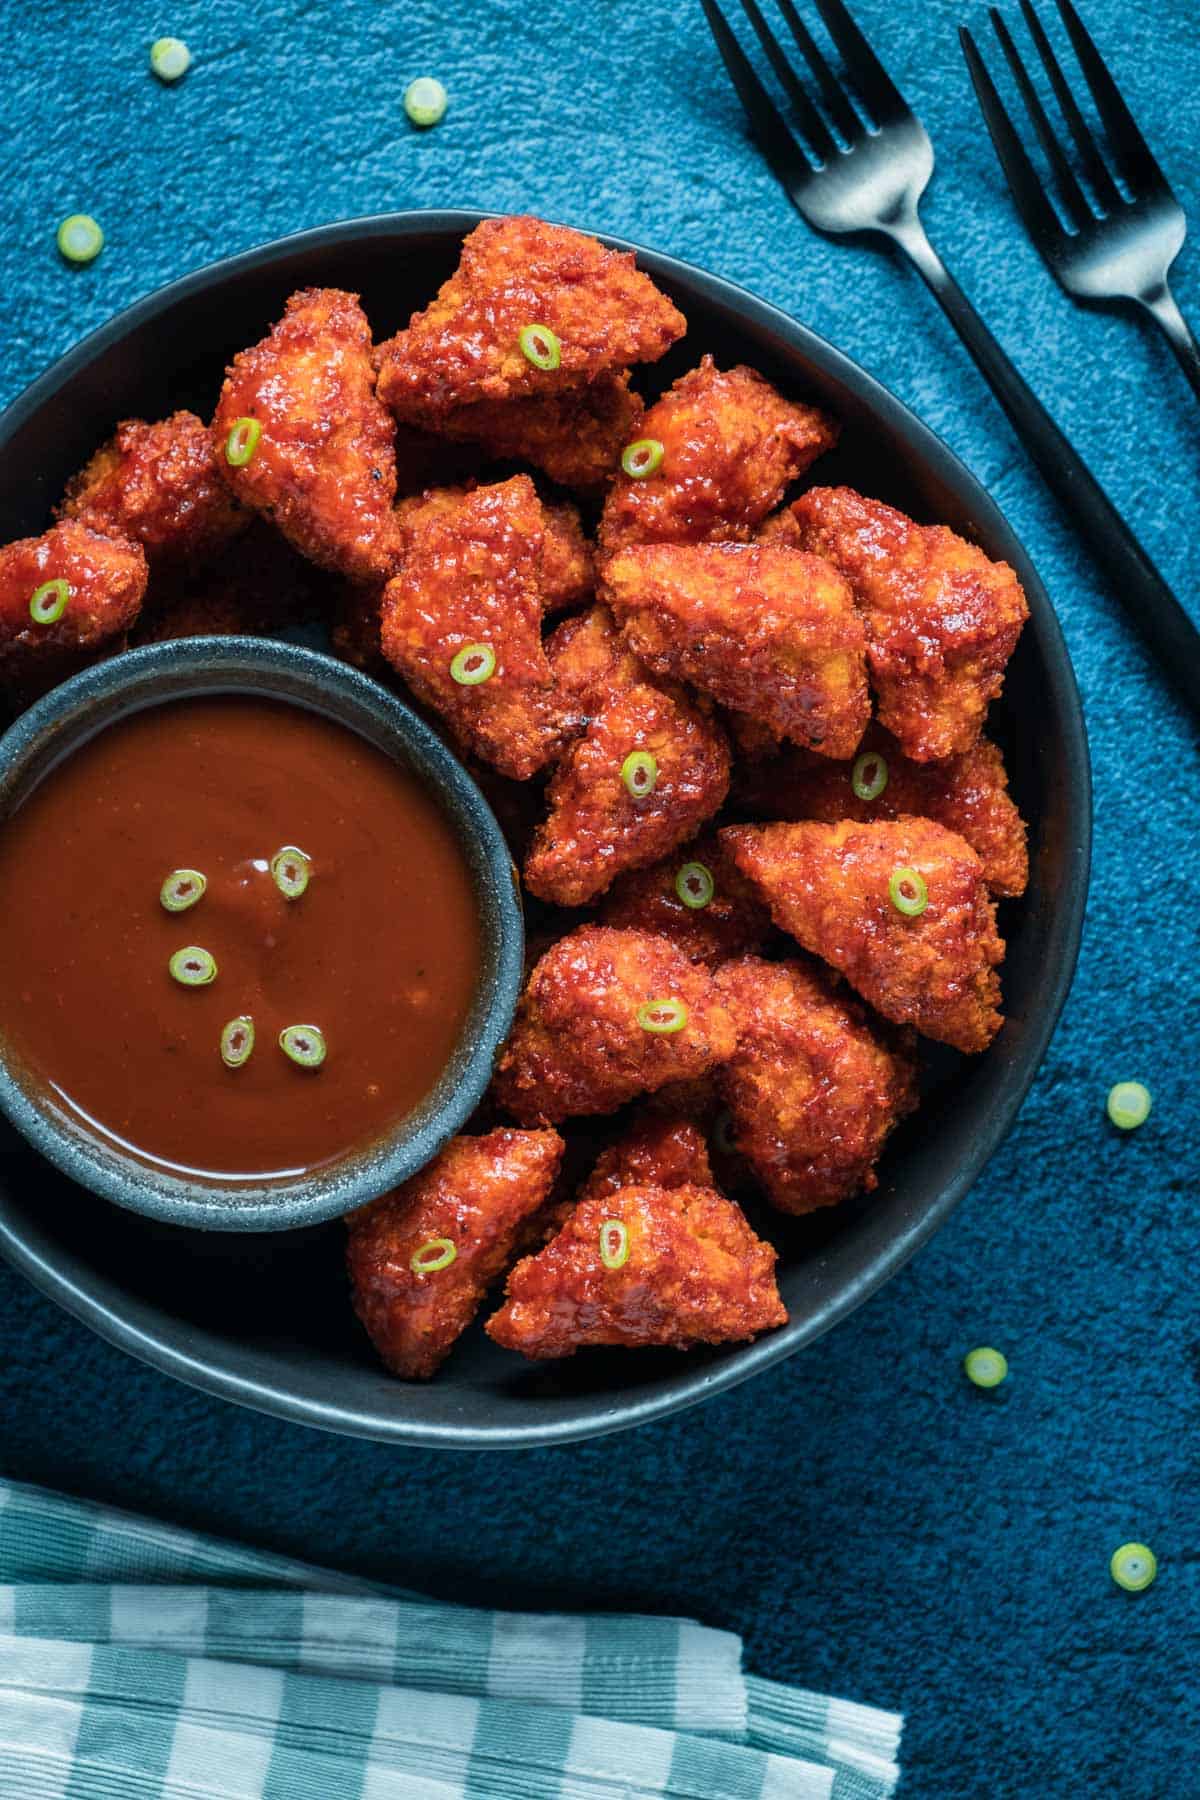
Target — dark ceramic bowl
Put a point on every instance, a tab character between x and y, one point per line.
275	1330
71	714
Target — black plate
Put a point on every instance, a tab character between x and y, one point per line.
265	1320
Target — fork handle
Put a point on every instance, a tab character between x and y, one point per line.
1133	578
1162	307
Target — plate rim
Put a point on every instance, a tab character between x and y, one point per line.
584	1418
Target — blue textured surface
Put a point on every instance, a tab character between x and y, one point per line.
869	1522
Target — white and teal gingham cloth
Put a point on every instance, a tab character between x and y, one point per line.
142	1662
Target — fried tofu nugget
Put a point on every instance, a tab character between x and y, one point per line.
692	1272
731	445
575	437
159	486
105	580
782	527
566	578
596	826
568	564
476	1198
768	631
662	1150
828	885
324	468
607	1015
968	794
698	898
942	619
813	1090
518	272
470	586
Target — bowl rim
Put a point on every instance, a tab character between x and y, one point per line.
694	1384
164	674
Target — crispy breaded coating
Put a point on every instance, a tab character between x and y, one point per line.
782	527
325	466
465	346
828	886
471	575
662	1150
592	663
731	445
768	631
595	826
255	586
579	1045
478	1195
567	568
568	563
942	619
106	579
813	1089
159	486
694	1274
575	437
669	898
968	794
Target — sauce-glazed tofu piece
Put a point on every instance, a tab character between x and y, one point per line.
942	619
900	907
532	309
770	632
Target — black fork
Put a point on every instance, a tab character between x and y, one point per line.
1114	242
850	173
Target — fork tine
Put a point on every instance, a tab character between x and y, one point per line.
870	77
780	148
841	111
1134	157
811	122
1093	162
1078	210
1041	220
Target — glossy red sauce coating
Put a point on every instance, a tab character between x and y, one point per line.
382	951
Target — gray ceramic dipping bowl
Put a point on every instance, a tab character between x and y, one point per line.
75	712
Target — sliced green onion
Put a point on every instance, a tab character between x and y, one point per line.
614	1244
473	664
48	603
642	458
290	871
242	442
170	58
304	1044
425	101
639	772
540	346
908	893
1133	1567
181	889
662	1017
986	1368
193	967
869	776
723	1135
432	1255
237	1041
694	885
1128	1105
79	238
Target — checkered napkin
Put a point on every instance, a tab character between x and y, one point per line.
140	1662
